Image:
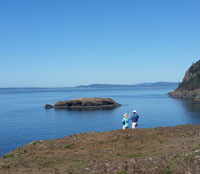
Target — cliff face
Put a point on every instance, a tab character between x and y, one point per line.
190	86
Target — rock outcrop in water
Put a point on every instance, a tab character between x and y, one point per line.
85	104
190	86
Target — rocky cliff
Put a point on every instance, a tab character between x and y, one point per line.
190	86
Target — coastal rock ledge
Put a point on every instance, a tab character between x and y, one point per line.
190	86
85	104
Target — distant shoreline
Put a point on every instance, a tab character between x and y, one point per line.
105	86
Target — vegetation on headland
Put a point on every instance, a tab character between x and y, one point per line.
191	80
160	150
190	86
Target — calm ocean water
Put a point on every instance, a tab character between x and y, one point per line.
23	118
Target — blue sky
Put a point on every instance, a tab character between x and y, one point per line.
56	43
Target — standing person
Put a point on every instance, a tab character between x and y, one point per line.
125	121
134	119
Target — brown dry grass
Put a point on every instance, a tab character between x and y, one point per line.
159	150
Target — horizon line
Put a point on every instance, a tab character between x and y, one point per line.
90	85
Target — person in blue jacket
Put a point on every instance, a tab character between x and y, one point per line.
125	121
134	119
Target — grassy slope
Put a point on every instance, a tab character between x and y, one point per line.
160	150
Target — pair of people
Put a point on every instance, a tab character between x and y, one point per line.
134	118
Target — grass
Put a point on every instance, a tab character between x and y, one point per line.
127	137
80	162
168	171
189	157
77	164
173	162
11	155
196	148
70	172
45	163
113	140
130	155
154	151
82	148
68	146
153	137
33	143
122	172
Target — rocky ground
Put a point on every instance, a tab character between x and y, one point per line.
163	150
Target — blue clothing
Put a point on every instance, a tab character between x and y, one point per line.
126	120
135	118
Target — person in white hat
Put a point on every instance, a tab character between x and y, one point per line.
134	119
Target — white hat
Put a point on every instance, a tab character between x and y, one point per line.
125	115
135	111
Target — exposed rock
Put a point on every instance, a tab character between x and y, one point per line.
190	86
185	93
86	104
48	106
197	98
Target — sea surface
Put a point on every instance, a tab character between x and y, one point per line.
23	118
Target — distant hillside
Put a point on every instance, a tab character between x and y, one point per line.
190	86
150	85
103	86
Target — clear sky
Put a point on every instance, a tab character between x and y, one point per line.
57	43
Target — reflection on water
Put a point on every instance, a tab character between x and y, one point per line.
190	110
192	106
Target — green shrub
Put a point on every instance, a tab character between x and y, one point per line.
68	146
130	155
33	143
70	172
168	171
122	172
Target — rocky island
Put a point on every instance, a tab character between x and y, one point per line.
163	150
85	104
190	86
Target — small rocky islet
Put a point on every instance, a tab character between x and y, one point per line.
190	86
85	104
